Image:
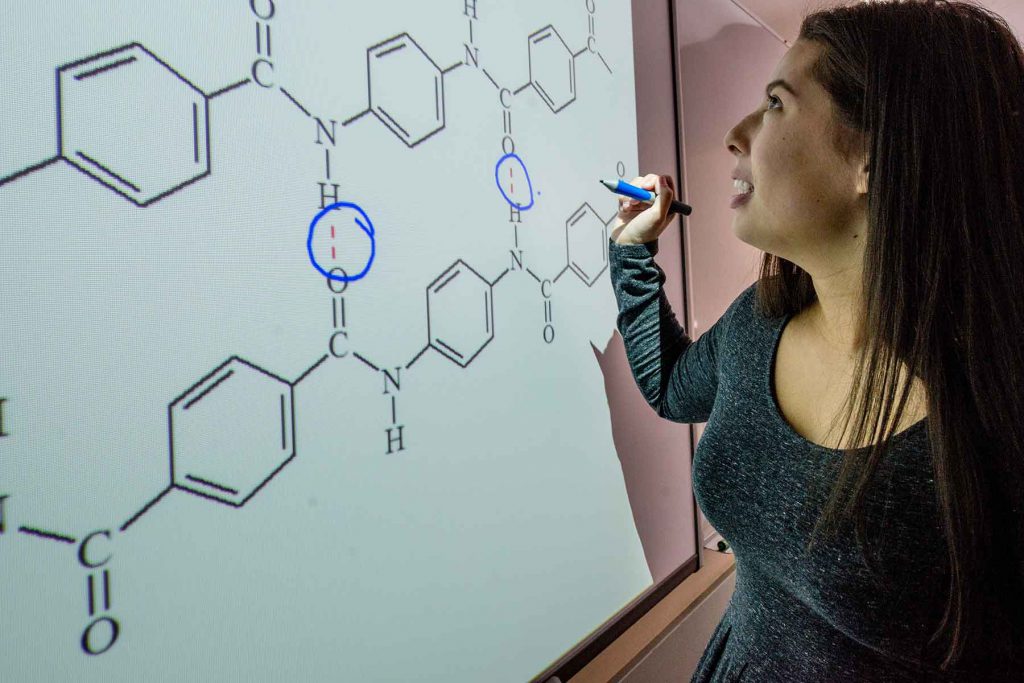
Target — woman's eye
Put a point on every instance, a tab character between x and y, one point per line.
773	98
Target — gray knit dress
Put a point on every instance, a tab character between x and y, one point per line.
794	616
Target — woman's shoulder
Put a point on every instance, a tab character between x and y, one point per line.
744	309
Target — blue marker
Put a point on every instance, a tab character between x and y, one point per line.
624	188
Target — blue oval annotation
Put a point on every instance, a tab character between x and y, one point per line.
365	225
508	160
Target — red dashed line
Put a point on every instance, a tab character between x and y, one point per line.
512	187
333	254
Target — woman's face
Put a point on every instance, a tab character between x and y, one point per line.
808	203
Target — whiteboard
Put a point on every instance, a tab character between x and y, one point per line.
299	316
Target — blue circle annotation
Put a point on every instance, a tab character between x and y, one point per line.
365	225
513	158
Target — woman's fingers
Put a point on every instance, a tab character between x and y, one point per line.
628	205
639	221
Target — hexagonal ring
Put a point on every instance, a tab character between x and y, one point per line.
133	123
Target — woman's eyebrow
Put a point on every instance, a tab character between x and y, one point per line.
780	82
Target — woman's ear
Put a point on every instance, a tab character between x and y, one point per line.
862	180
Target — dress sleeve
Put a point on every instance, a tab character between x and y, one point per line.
677	376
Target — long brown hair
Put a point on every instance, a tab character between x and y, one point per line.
930	92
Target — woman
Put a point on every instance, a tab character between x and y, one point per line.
888	191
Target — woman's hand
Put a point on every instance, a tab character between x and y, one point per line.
639	222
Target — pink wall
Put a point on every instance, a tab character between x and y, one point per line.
782	17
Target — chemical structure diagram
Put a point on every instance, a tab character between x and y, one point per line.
88	135
173	147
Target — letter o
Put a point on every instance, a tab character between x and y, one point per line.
87	646
270	10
